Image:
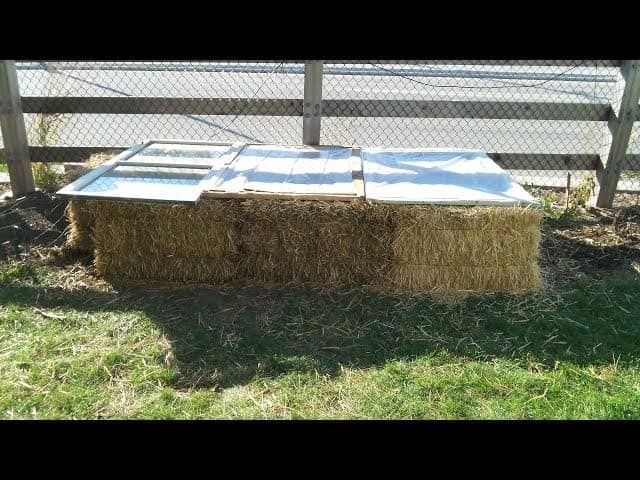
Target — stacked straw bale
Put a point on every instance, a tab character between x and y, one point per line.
398	247
465	248
81	220
80	213
168	242
327	242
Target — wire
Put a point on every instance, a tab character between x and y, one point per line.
255	94
507	85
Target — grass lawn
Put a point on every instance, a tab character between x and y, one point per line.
73	345
76	347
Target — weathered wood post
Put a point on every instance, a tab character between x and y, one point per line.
312	108
623	113
14	135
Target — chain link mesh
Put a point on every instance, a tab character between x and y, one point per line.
394	94
445	83
630	179
158	82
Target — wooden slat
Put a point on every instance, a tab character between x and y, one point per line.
546	161
356	172
333	108
67	154
466	109
14	133
631	162
279	196
516	161
550	63
155	105
614	151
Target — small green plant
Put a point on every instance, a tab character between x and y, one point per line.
48	177
552	211
44	131
581	194
547	203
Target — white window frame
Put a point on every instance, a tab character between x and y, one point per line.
74	189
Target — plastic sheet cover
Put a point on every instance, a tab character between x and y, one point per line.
438	176
293	170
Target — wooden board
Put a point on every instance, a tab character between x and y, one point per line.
356	172
278	196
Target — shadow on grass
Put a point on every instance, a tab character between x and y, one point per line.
225	338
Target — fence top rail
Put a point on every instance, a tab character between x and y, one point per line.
136	65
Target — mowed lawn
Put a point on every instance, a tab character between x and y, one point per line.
75	347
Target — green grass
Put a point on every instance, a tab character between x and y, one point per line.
4	167
72	349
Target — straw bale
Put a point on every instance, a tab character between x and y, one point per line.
81	220
166	267
314	241
453	278
208	229
464	248
399	247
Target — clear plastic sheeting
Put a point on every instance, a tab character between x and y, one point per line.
179	172
290	170
438	176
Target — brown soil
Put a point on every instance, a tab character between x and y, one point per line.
35	221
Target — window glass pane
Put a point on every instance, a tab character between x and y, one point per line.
153	183
205	155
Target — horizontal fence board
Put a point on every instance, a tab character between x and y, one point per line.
66	154
631	162
466	109
206	66
330	108
546	161
163	105
510	161
550	63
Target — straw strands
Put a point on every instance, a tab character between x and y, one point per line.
466	248
389	247
81	221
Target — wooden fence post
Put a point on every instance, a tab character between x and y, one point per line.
14	135
620	125
312	107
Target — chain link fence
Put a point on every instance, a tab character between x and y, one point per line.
493	84
367	103
158	83
630	179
